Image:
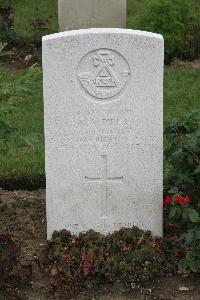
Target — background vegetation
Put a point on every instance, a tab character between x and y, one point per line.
122	255
177	20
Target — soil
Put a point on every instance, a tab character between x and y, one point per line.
22	214
23	183
195	64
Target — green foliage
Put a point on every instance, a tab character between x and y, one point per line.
10	137
23	154
186	220
183	153
178	22
4	52
6	21
128	255
34	10
39	28
192	248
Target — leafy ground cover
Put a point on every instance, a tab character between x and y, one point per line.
22	215
181	95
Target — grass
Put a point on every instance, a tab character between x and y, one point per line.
181	91
181	95
25	10
28	120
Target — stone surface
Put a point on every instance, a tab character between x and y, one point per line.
76	14
103	95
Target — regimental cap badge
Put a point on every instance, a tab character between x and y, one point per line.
109	73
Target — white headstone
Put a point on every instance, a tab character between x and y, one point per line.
76	14
103	94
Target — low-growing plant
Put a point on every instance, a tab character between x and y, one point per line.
183	154
182	209
128	255
184	218
191	249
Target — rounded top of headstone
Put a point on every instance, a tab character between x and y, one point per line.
102	31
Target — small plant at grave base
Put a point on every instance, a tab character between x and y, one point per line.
128	255
183	220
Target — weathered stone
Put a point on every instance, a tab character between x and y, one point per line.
76	14
103	94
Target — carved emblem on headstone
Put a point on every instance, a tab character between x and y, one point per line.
103	73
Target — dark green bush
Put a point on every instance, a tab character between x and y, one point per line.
6	22
179	23
183	154
39	28
184	218
183	208
7	32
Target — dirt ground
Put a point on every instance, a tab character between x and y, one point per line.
195	64
22	214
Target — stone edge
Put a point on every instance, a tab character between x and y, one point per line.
101	30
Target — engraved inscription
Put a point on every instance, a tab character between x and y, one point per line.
105	179
102	130
103	73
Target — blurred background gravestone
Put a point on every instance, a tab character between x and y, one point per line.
77	14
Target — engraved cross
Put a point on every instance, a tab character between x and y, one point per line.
105	180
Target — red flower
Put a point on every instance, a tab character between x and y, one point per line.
168	200
87	263
86	267
178	253
172	226
184	200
